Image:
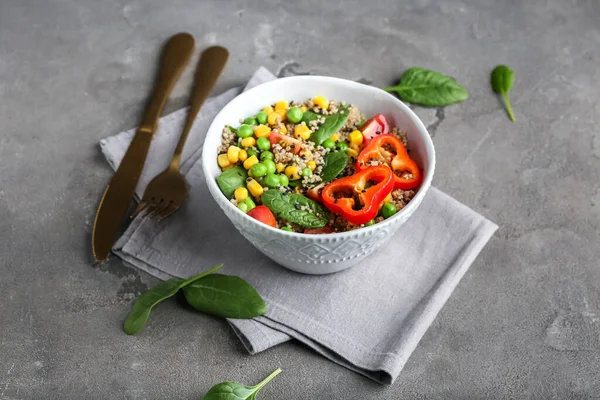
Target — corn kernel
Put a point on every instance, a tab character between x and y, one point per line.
255	188
248	142
282	105
282	128
227	167
302	132
282	114
243	155
304	109
280	167
250	161
335	137
321	102
273	118
352	153
306	153
262	131
356	137
268	109
223	160
297	190
312	165
388	198
292	172
233	154
240	194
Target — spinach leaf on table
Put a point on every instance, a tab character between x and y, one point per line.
428	88
289	207
237	391
333	123
232	179
335	163
140	312
502	80
225	296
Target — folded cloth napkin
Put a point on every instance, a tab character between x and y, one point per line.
368	318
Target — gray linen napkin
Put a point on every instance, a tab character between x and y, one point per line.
368	318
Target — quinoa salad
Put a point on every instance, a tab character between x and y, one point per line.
316	167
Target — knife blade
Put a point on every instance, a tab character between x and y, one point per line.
114	204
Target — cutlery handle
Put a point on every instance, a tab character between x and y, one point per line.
175	56
211	64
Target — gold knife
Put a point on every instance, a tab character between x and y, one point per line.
114	204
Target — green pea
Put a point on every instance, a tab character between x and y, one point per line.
270	165
342	146
263	143
266	155
245	131
243	206
258	170
328	144
286	228
371	222
271	180
250	121
388	210
262	117
284	180
294	114
306	171
251	152
248	202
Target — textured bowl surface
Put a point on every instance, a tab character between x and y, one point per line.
319	254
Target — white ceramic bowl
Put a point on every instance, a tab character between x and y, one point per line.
327	253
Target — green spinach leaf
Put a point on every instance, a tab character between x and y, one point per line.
332	124
290	207
225	296
143	305
502	80
310	116
428	88
335	163
232	129
232	179
237	391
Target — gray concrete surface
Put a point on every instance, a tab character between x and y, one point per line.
523	323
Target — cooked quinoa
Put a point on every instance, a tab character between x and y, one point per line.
286	147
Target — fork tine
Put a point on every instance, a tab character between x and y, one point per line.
142	205
158	207
170	209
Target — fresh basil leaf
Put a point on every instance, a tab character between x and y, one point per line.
225	296
237	391
428	88
232	179
310	116
502	81
335	163
333	123
140	312
289	207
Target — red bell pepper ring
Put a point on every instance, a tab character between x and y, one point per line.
376	126
389	149
264	215
341	195
315	192
285	140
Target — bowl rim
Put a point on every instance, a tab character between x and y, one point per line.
409	209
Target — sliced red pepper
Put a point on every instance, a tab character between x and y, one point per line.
318	231
264	215
315	192
389	149
376	126
285	140
353	198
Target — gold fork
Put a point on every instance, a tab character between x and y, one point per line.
168	190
